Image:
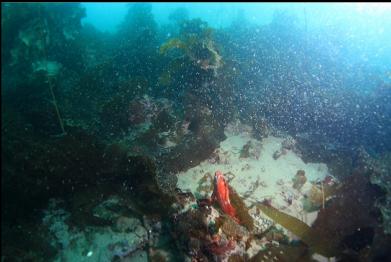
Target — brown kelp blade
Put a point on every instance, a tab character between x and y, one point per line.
316	243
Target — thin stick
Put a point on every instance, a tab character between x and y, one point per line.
49	78
322	195
55	105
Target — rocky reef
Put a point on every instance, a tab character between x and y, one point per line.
304	209
110	142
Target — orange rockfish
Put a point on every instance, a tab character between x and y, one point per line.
221	195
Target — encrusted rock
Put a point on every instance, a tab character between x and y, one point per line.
126	224
288	143
299	179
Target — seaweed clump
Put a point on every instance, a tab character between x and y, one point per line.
241	210
197	45
344	215
337	223
302	230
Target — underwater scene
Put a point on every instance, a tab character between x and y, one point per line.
196	132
